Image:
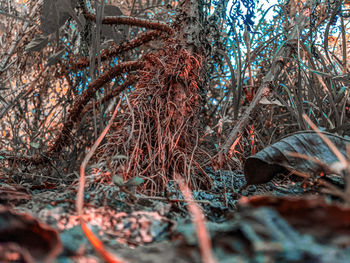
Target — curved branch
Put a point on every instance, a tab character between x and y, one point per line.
75	112
117	49
131	21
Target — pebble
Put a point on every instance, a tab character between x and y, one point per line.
245	192
251	188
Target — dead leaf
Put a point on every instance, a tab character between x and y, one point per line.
54	14
37	44
265	101
40	241
311	215
117	33
263	166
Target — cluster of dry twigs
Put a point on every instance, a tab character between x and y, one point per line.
158	135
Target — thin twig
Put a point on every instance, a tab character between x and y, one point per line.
199	221
98	245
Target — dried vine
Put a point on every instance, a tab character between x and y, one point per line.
64	136
114	49
132	21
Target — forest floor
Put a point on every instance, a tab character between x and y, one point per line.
273	222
